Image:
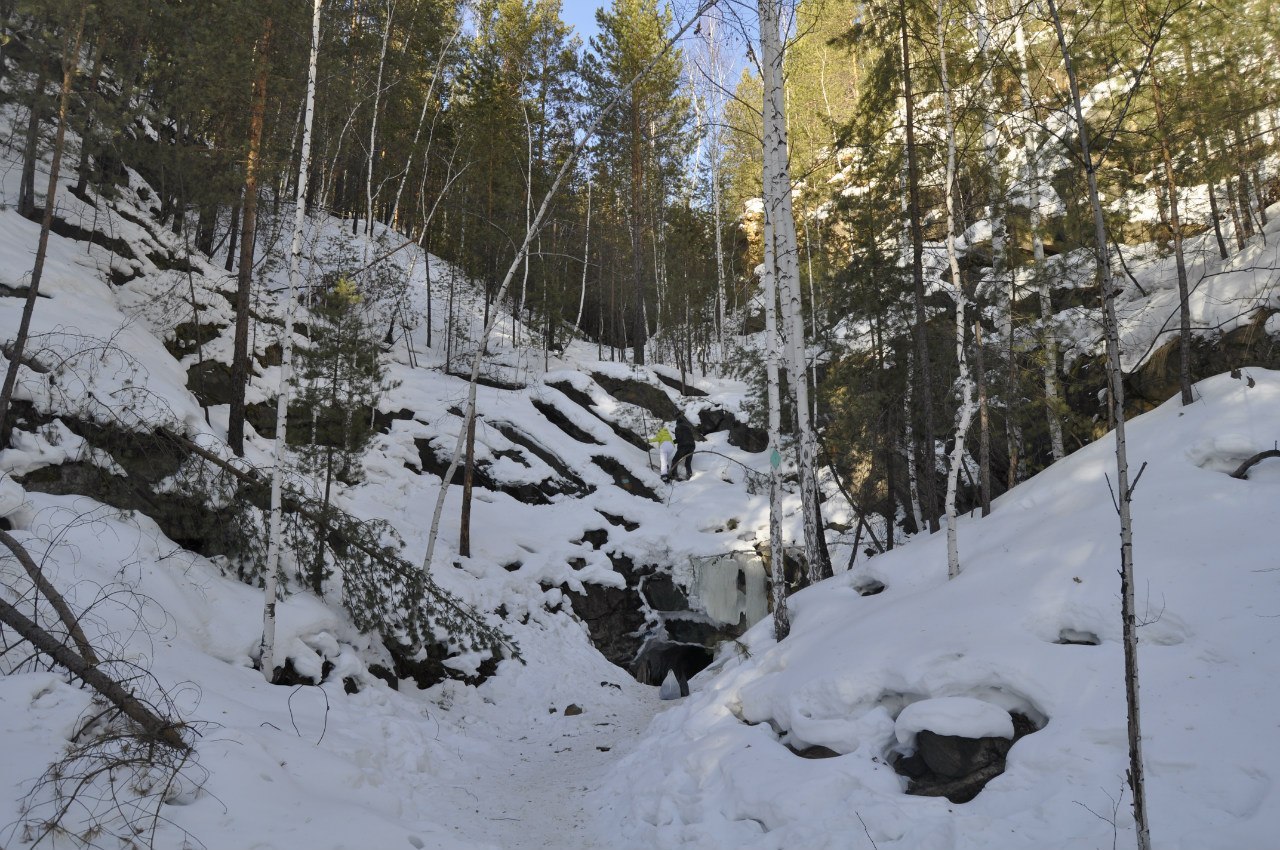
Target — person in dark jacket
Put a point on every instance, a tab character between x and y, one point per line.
684	449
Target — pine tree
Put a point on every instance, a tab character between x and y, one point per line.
341	377
642	141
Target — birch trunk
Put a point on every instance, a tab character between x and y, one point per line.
713	156
777	190
586	257
269	582
964	416
517	311
1124	493
777	551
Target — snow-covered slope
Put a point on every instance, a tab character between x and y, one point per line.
286	767
716	772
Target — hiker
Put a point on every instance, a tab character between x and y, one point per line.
666	449
684	450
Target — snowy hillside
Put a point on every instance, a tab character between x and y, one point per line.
1030	627
131	334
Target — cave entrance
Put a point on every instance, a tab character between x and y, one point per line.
685	660
716	598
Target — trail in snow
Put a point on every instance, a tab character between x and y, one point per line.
543	794
524	785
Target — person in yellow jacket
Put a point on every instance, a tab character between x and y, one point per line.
666	451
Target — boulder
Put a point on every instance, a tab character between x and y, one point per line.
956	766
741	434
954	756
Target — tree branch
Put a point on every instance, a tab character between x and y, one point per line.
162	729
55	598
1242	471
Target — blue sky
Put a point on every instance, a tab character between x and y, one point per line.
581	15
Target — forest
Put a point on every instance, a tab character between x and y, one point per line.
313	288
450	123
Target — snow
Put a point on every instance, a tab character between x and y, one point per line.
963	716
504	765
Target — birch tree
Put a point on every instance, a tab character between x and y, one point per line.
777	554
964	384
777	199
275	530
715	151
586	261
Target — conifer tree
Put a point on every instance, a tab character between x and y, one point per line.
641	143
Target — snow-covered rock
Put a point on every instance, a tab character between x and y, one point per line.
964	717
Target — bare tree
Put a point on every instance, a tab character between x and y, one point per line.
70	67
1124	496
269	588
531	234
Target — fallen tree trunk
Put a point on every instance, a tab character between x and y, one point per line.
162	729
55	598
1242	471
